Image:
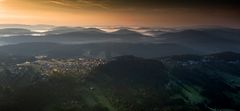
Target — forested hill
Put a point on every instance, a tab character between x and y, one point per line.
126	83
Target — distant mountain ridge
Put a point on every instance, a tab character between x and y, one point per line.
202	40
14	31
213	40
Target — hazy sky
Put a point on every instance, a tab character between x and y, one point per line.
164	13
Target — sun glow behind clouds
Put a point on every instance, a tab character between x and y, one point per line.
112	12
2	12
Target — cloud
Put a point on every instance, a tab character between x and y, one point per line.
73	4
140	4
160	3
123	12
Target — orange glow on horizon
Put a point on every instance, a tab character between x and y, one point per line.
54	13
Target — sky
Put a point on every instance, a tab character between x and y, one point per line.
159	13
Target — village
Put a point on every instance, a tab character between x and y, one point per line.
48	66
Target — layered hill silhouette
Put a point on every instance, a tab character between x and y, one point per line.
207	40
200	40
15	31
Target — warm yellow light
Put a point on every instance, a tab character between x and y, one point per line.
85	12
1	9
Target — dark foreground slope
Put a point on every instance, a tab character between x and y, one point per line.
127	83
